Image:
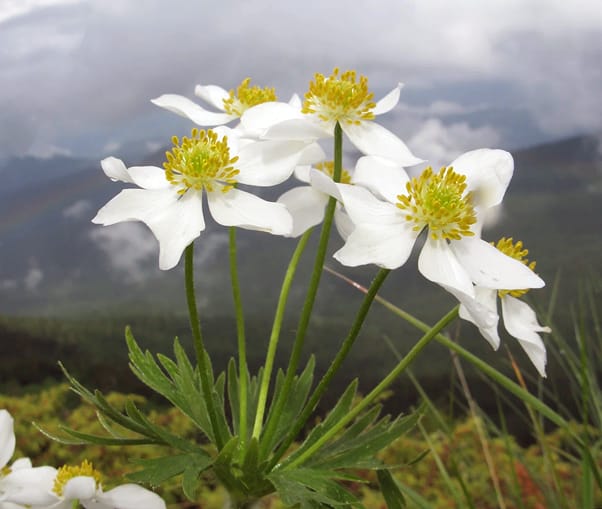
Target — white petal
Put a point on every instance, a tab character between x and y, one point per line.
387	246
81	487
488	173
21	463
297	129
213	94
239	208
7	438
438	264
175	220
381	176
295	102
312	154
130	496
363	207
388	102
267	163
521	322
116	170
259	118
191	110
325	184
302	173
481	310
490	268
343	223
306	205
30	486
374	140
149	177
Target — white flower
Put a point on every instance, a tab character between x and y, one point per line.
449	205
49	488
336	98
519	319
7	449
170	201
230	104
307	204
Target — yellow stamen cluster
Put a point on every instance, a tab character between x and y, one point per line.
66	473
328	168
246	96
516	251
339	98
439	202
200	161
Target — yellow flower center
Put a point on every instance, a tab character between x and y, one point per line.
439	202
66	473
339	98
245	96
516	251
328	168
200	162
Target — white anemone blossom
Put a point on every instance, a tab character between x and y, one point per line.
338	98
520	321
450	206
210	163
7	449
230	105
307	203
49	488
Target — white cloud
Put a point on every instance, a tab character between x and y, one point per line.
33	278
78	210
111	147
129	248
440	144
8	284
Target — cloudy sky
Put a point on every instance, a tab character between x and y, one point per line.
76	76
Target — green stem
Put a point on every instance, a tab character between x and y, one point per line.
334	366
275	335
374	393
310	297
243	370
201	354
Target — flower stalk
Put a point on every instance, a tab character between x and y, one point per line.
312	291
204	367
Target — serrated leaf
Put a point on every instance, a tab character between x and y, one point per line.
294	404
233	396
388	487
157	470
360	450
190	479
312	488
341	408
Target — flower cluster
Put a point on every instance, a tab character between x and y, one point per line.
24	486
382	211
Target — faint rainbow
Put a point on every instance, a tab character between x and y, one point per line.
27	207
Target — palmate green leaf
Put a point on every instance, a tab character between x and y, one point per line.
179	382
233	389
313	488
389	488
293	405
97	399
79	438
159	432
336	414
359	450
157	470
